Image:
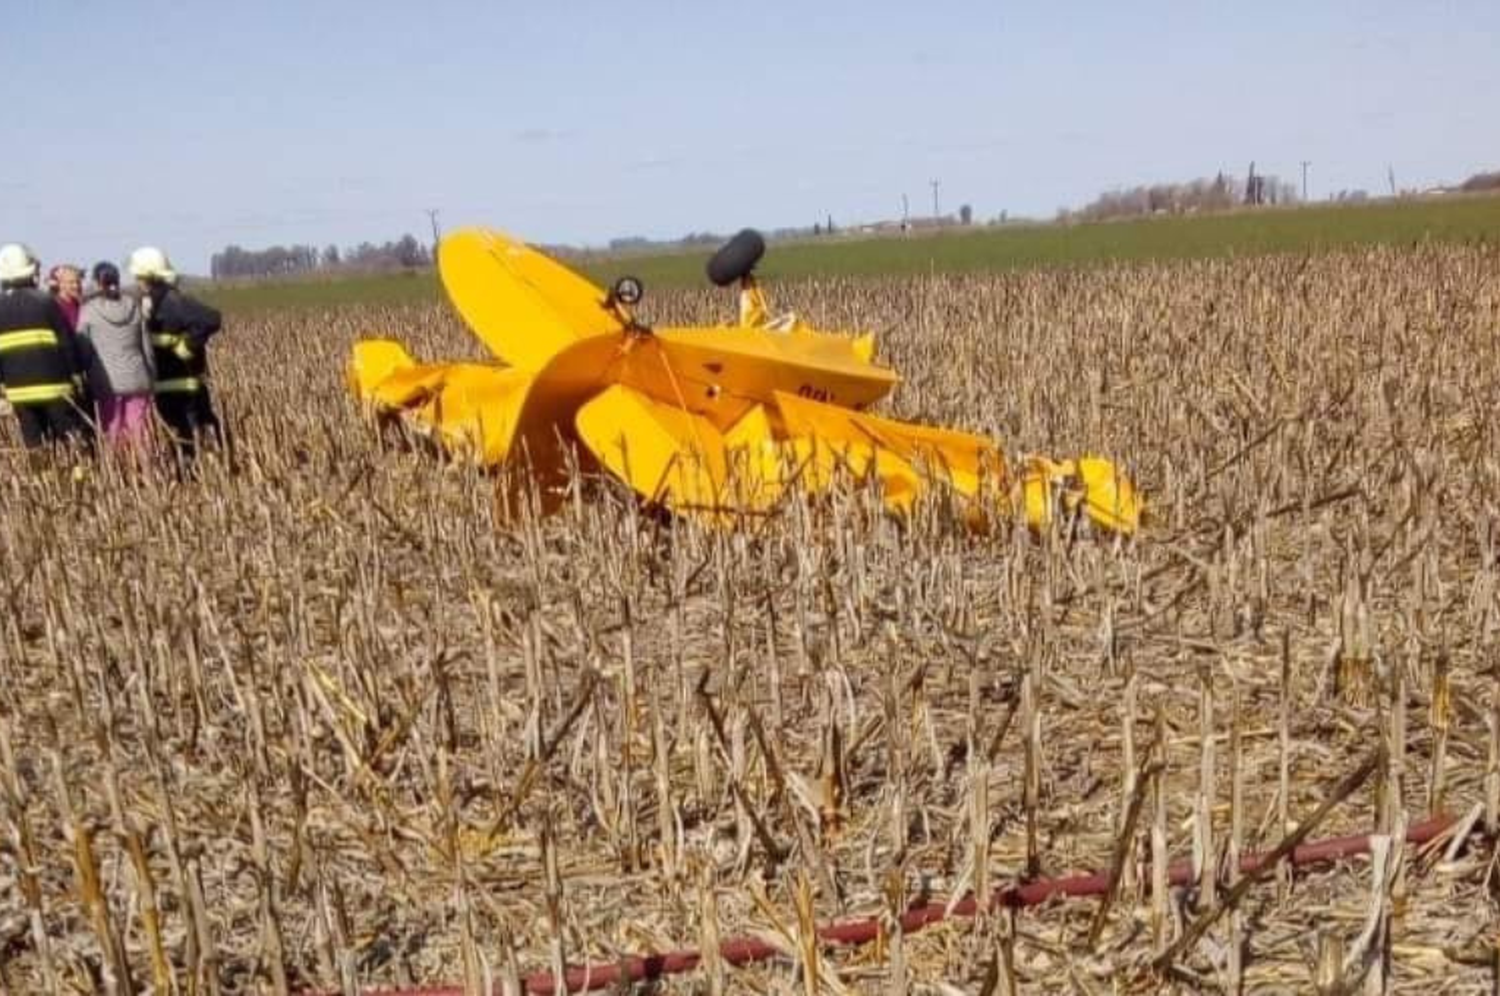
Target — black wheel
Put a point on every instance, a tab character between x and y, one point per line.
736	258
628	291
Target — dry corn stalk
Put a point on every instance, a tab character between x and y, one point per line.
332	614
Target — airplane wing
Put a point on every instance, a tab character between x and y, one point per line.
911	457
722	373
667	455
471	408
523	305
677	458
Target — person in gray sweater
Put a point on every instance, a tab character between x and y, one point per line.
121	372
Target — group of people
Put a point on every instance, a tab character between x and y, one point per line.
75	366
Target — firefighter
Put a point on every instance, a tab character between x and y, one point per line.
180	328
41	361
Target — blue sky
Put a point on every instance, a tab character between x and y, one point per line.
197	124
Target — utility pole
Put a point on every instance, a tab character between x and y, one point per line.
432	215
935	213
1305	164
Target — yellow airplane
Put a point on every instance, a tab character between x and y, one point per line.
711	422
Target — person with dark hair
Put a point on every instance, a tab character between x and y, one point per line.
122	370
180	328
41	363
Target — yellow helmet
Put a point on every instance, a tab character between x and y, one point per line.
150	263
18	263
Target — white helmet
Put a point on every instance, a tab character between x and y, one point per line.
150	263
18	264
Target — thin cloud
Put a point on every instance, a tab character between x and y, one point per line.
538	136
654	162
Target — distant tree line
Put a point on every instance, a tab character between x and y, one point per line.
1481	182
1217	194
236	262
632	243
700	240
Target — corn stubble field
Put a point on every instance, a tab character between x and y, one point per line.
331	720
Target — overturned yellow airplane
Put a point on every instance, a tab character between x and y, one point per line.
713	422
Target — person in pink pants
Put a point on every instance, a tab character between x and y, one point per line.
125	420
121	371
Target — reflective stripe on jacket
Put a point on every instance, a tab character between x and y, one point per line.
27	339
40	394
180	328
40	358
179	385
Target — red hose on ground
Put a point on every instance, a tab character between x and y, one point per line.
742	951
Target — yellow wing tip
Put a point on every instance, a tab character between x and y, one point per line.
476	233
372	361
1107	496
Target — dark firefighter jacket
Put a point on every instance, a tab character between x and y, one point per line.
41	360
180	328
